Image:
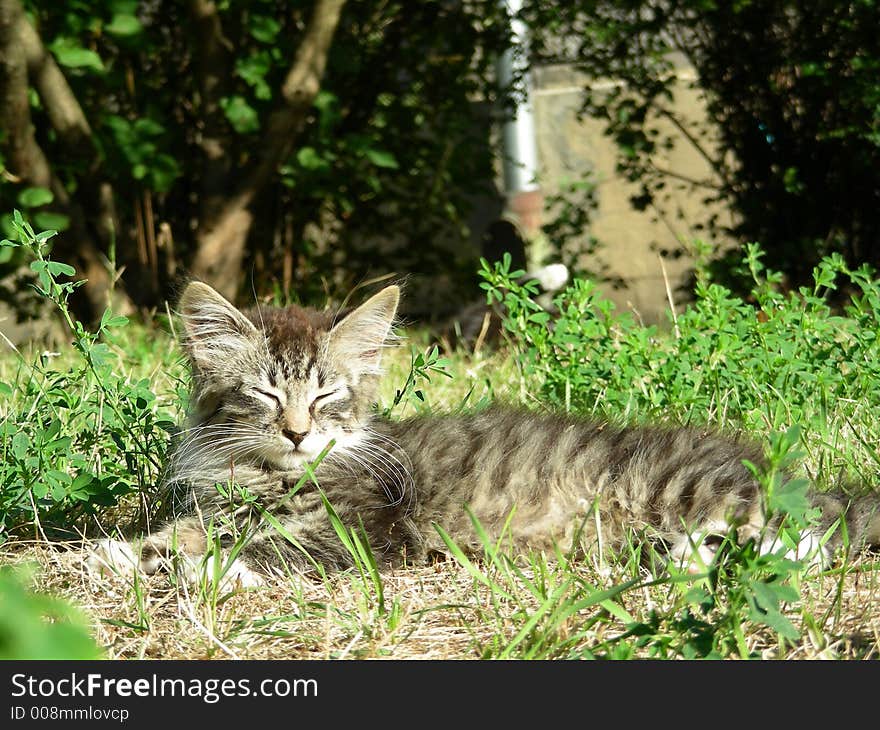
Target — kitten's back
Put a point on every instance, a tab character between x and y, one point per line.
548	466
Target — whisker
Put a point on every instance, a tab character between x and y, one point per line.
388	470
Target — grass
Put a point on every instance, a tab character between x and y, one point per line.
84	434
532	606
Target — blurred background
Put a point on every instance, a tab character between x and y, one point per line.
298	149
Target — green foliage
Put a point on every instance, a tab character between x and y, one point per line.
394	143
422	365
793	101
70	54
34	197
783	361
138	151
780	359
74	439
34	626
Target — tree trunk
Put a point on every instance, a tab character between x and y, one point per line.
221	250
25	159
222	237
23	56
213	66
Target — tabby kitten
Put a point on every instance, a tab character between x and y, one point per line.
273	387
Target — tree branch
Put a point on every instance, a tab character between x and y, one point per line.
298	92
685	178
64	112
221	242
715	164
212	63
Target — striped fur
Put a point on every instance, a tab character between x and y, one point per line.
272	387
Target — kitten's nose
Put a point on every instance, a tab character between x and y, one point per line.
296	436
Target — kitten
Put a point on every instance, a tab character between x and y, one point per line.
273	387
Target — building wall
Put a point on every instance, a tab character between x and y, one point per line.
571	148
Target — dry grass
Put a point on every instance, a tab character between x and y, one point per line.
431	612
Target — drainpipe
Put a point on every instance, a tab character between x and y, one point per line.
524	200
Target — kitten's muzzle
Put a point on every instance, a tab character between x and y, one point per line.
295	437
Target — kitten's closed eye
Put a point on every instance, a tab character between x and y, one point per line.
325	396
269	397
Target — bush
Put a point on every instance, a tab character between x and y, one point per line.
74	439
793	98
171	109
764	363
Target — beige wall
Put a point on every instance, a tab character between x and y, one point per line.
570	149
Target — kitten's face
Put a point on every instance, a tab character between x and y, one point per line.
276	387
294	413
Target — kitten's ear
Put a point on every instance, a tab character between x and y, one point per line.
213	327
360	337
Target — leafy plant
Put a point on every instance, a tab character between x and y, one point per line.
779	359
75	439
422	365
35	626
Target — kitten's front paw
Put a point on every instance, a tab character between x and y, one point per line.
116	557
240	575
234	577
109	556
